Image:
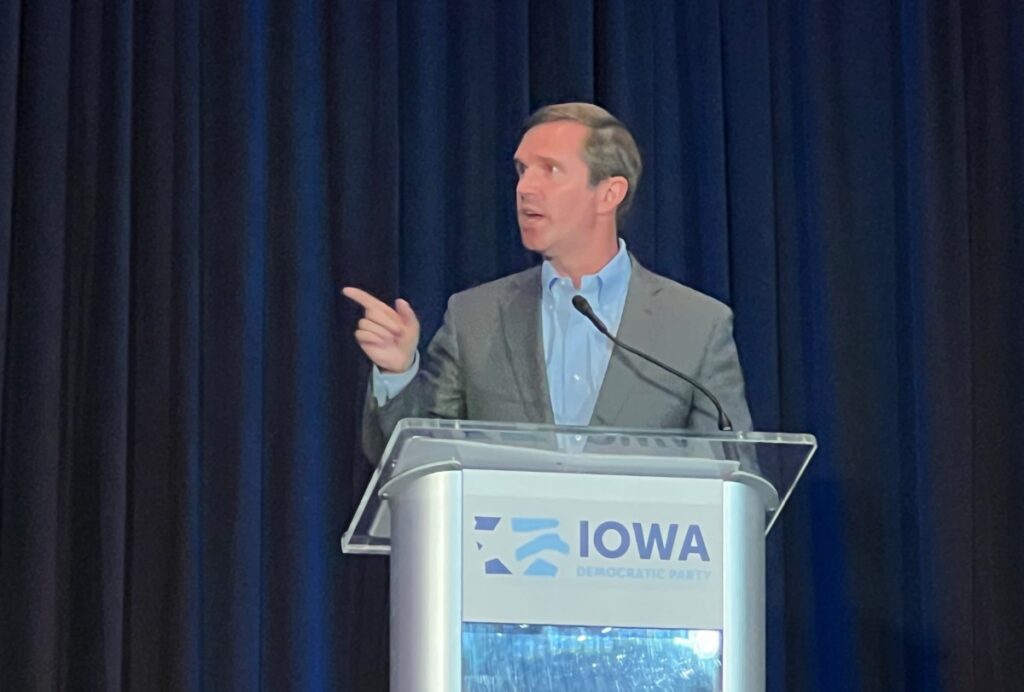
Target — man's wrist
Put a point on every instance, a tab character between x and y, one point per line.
412	361
388	385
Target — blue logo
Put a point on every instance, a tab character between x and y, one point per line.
539	535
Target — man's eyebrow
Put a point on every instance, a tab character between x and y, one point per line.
543	159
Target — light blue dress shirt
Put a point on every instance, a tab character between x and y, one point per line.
575	354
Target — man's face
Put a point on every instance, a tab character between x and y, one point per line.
556	205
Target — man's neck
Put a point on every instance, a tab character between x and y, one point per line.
585	265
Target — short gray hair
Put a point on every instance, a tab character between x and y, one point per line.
609	149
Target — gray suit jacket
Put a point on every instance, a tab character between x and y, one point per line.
487	361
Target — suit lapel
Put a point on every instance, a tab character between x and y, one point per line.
520	322
637	328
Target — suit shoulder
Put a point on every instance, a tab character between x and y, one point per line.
676	297
486	295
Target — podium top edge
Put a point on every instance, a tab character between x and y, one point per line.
428	425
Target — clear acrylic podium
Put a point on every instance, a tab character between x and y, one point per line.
539	557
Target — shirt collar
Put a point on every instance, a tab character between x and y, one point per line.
609	283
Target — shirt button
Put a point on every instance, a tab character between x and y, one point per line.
576	377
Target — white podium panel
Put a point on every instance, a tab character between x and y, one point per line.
591	550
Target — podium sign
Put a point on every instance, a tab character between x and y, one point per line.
557	551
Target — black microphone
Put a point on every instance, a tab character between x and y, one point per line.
581	304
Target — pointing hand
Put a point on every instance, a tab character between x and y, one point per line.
388	335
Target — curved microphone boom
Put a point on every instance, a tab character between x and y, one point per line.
581	305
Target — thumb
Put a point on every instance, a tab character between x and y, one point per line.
404	311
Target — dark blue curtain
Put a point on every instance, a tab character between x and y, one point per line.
184	185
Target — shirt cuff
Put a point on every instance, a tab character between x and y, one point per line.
388	385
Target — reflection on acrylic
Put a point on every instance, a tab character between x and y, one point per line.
544	658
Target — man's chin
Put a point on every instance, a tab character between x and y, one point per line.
532	242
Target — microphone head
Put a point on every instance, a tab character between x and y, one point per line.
581	304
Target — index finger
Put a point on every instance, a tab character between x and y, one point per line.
365	299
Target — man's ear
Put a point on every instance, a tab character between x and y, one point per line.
611	192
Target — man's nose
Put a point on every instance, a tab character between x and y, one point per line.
527	184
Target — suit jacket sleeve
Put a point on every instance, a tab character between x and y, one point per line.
437	391
721	373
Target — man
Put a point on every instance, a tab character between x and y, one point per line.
516	350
